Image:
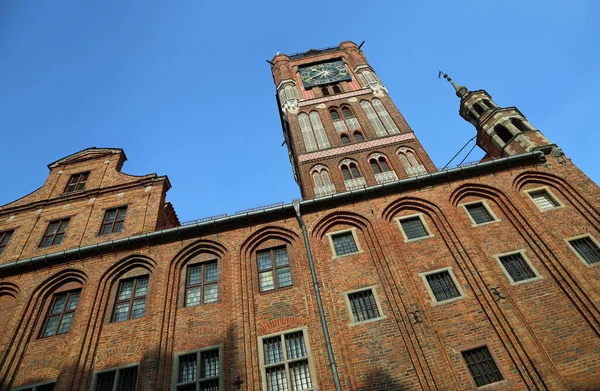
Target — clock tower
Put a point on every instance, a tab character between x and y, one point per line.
342	130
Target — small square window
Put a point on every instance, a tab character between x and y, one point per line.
273	269
4	239
543	200
202	284
54	233
587	249
131	299
413	228
442	286
120	379
482	366
77	182
363	305
199	370
343	243
60	313
479	213
517	267
113	220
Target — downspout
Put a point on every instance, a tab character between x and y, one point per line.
313	273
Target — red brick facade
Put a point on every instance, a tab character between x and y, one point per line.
542	332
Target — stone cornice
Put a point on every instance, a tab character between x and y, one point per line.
315	101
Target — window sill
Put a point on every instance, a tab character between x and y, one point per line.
417	239
202	305
486	223
532	279
270	291
367	321
551	209
347	255
436	303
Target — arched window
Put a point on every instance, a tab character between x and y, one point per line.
345	139
381	168
334	115
477	107
348	121
323	185
519	124
379	165
350	171
347	113
358	136
488	104
380	119
313	132
325	91
337	89
410	163
503	133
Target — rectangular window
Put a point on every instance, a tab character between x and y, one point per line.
517	267
199	371
121	379
442	286
60	313
543	200
413	228
273	269
286	364
202	284
39	387
54	233
4	238
482	366
587	249
363	305
343	243
131	299
77	182
479	213
113	220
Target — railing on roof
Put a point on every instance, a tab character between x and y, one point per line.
202	220
259	208
312	52
465	164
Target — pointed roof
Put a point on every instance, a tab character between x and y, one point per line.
85	154
461	91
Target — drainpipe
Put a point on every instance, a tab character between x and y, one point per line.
313	273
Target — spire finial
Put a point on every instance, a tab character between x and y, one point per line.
460	90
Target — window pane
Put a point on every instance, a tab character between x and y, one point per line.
266	281
106	229
479	213
52	228
363	305
45	387
517	267
189	387
59	303
122	312
413	228
210	272
543	200
118	227
65	323
194	275
210	293
110	216
587	249
294	344
344	243
105	381
188	368
210	385
138	308
210	364
482	366
51	326
284	277
141	289
127	379
63	226
193	296
276	380
281	256
126	290
300	374
264	260
73	300
121	213
58	239
273	350
442	286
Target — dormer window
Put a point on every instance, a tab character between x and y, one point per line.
77	182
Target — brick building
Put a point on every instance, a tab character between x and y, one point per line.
388	275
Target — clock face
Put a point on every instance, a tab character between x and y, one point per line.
330	72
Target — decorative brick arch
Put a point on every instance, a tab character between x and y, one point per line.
118	355
280	324
266	233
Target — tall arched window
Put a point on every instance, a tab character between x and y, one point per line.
358	137
380	119
410	163
345	139
313	132
381	168
345	121
323	185
519	124
503	133
350	171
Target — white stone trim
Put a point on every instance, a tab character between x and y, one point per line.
581	236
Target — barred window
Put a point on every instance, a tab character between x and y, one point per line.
442	286
543	200
587	249
120	379
286	365
201	285
38	387
482	366
60	313
517	267
4	239
113	220
54	233
131	299
479	213
199	371
77	182
273	269
413	228
343	243
363	305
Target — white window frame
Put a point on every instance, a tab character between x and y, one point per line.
423	221
549	193
586	235
354	236
486	206
175	374
434	301
309	356
117	369
537	277
373	289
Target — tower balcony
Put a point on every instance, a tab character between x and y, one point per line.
356	183
324	190
386	176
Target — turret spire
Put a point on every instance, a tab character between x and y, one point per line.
461	91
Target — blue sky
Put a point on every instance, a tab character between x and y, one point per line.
183	86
